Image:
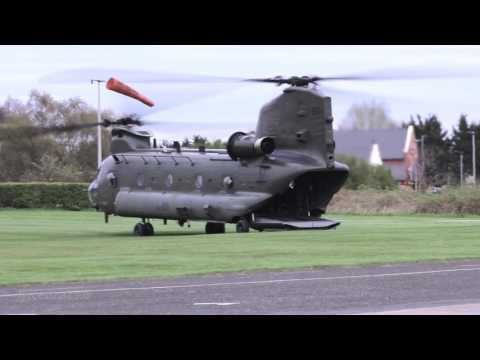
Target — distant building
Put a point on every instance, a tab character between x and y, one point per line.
396	149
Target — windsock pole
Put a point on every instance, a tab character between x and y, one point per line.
99	127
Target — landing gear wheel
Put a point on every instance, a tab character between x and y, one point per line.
139	229
143	229
149	229
214	228
243	226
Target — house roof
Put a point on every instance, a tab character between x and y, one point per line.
359	142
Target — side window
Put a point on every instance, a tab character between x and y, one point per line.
112	179
169	181
199	182
141	180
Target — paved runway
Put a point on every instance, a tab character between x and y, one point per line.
428	288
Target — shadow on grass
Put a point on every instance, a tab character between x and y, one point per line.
158	234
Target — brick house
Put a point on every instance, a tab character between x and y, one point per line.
396	149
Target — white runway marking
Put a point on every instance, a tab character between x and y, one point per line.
17	314
219	303
259	282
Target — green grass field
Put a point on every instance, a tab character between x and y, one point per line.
54	245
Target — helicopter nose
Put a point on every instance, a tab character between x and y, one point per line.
93	193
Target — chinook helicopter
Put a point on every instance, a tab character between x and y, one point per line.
281	177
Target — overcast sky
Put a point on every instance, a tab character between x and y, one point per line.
217	110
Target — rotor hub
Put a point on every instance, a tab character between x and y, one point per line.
298	81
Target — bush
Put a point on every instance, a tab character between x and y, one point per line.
458	201
364	176
370	201
72	196
465	200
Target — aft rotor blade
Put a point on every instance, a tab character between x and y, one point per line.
408	73
353	96
130	76
178	89
142	76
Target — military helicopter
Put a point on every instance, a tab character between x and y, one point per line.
281	177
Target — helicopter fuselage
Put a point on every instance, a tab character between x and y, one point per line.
209	186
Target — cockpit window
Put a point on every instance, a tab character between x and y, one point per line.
103	168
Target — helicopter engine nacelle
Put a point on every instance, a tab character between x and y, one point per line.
243	146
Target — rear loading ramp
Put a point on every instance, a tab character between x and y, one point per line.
303	223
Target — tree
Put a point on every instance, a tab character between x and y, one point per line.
49	169
21	153
437	150
461	142
3	115
199	141
186	143
217	144
18	151
367	116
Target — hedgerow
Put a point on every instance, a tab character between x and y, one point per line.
72	196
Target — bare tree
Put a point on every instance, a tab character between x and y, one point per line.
365	116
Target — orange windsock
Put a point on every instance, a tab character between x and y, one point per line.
117	86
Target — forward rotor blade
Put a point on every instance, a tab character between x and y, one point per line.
9	132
